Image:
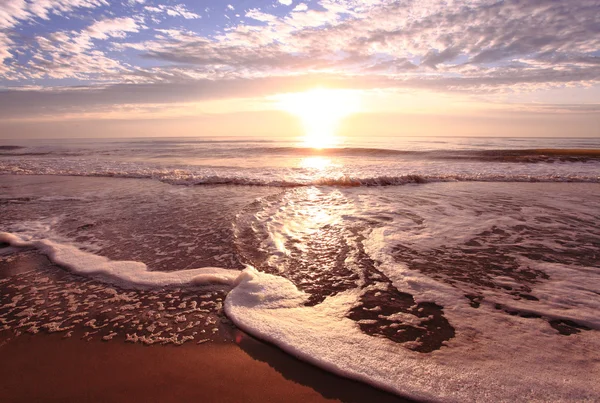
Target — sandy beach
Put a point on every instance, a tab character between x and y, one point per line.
52	367
48	368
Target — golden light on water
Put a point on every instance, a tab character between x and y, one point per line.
321	111
319	163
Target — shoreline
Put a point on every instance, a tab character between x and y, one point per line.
236	367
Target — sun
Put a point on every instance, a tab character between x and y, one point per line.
321	111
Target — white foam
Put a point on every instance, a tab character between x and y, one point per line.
60	198
491	363
494	356
124	273
570	293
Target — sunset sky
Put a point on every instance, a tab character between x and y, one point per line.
90	68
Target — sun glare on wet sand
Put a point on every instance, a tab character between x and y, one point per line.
321	111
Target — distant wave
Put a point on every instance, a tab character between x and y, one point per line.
42	153
27	154
183	142
528	155
341	181
345	181
10	147
349	181
508	156
335	151
540	155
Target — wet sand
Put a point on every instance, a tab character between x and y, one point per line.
49	367
45	368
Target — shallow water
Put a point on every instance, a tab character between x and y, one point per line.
465	290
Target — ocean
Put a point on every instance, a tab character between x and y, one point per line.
452	269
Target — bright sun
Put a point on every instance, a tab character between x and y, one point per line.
321	111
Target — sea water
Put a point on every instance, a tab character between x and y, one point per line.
435	268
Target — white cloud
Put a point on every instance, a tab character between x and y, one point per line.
115	27
258	15
11	11
14	11
5	44
301	7
179	10
286	2
42	8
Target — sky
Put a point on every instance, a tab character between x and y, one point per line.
100	68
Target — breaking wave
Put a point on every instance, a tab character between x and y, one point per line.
527	155
256	148
190	179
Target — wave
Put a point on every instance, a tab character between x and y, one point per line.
350	181
128	274
27	154
193	141
537	155
334	151
34	153
527	156
338	181
10	148
515	155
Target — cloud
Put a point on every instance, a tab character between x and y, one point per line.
178	10
115	27
11	12
52	104
435	57
42	8
17	103
301	7
258	15
475	46
286	2
14	11
72	54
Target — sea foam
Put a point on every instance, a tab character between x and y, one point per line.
123	273
492	363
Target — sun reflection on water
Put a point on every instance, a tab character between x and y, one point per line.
319	163
311	215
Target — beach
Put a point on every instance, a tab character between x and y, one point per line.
51	368
233	367
190	284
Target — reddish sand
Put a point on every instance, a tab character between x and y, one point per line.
48	368
51	368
